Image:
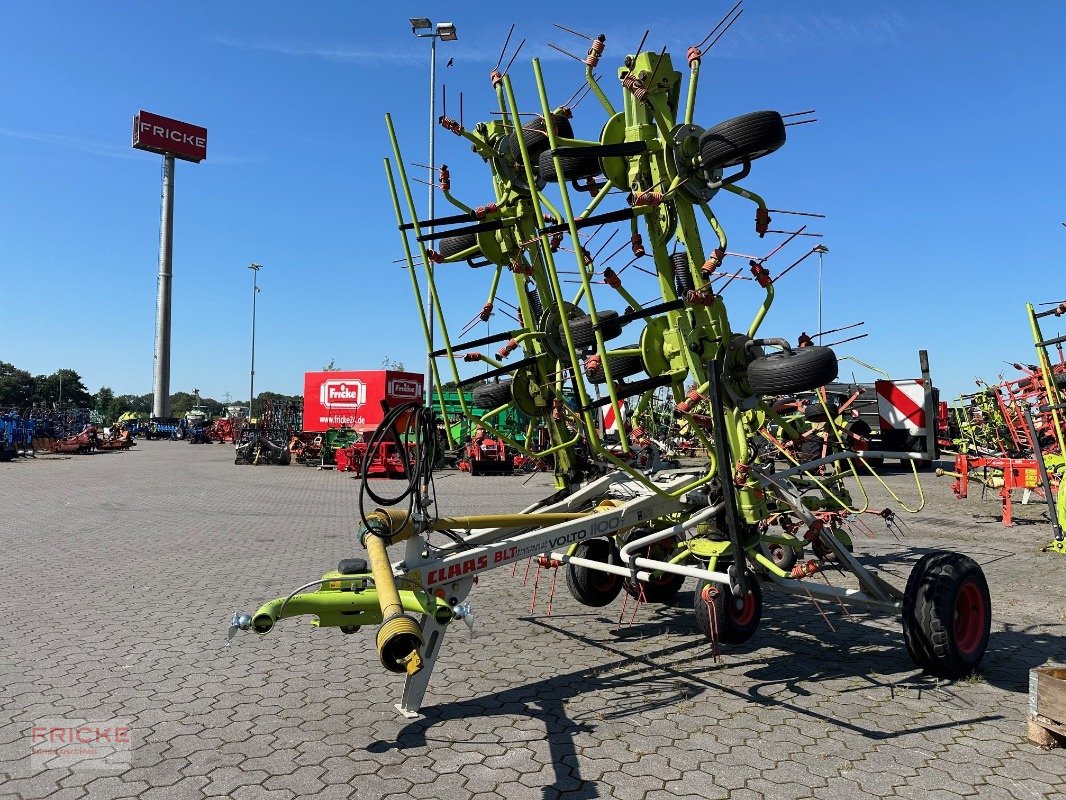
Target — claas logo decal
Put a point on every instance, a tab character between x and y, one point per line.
342	394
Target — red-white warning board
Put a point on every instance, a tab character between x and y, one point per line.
901	405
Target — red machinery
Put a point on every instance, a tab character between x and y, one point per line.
386	461
84	442
484	455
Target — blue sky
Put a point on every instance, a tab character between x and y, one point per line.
938	158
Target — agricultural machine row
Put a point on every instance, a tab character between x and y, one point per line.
764	505
1008	435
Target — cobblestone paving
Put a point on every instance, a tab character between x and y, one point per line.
120	571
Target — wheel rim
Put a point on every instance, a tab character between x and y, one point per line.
604	581
971	615
743	609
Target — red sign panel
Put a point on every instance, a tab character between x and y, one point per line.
164	135
353	399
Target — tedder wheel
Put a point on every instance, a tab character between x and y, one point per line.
783	556
591	587
662	588
743	138
947	614
573	167
492	395
536	138
452	245
621	366
787	373
583	334
737	618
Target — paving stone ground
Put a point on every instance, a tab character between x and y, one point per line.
120	572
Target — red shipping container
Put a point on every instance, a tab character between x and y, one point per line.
353	399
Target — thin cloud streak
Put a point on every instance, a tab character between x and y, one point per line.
72	142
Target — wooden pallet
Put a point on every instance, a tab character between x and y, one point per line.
1047	706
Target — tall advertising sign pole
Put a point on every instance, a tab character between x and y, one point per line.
161	377
171	139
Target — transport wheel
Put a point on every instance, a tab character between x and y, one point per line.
574	167
801	370
536	138
583	335
451	245
740	139
783	556
492	395
947	614
591	587
737	617
825	553
621	366
662	588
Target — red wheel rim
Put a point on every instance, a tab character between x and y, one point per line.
604	581
971	615
743	614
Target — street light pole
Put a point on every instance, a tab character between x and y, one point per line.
251	379
424	29
821	250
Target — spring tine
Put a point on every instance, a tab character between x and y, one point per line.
503	52
721	22
785	271
658	61
801	122
845	341
812	235
796	213
642	41
778	248
568	30
616	252
507	303
797	114
516	52
584	93
566	52
602	246
726	28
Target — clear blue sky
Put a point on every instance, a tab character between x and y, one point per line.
938	157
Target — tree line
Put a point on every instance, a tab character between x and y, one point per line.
64	388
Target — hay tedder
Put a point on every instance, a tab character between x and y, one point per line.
737	520
1010	434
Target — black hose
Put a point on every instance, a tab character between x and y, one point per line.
417	461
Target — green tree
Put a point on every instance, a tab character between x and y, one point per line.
62	386
388	363
17	386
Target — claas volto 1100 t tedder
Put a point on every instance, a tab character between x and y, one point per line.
734	522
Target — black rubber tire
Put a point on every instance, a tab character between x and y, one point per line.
536	138
591	587
583	335
574	167
735	626
492	395
661	589
783	557
456	244
740	139
621	366
801	370
946	591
